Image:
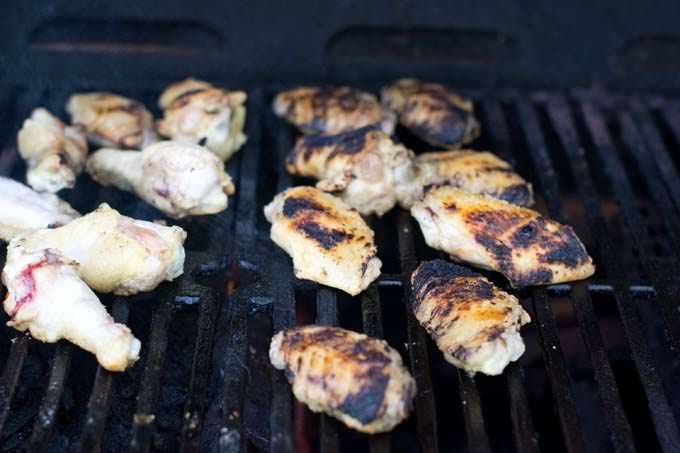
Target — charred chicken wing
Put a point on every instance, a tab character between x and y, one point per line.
475	324
180	179
432	112
46	296
112	120
361	166
357	379
524	246
329	242
55	153
331	110
197	112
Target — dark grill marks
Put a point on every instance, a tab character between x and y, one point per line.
432	274
184	98
294	205
519	194
325	237
365	404
345	143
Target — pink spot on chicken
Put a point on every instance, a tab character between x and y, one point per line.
28	284
163	190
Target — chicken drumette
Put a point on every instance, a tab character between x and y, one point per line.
55	153
180	179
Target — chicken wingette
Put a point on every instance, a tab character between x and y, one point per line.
431	111
329	242
363	166
527	248
357	379
474	324
331	110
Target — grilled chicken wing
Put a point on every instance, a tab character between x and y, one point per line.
23	210
329	242
116	253
432	112
112	120
180	179
473	171
475	324
197	112
361	166
525	247
46	296
55	153
357	379
331	110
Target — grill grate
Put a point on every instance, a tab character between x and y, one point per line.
603	163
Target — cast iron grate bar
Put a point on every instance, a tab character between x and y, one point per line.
10	375
477	439
327	314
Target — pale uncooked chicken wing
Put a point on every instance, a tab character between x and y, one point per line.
23	210
357	379
474	324
329	242
361	166
524	246
198	112
116	253
55	153
180	179
46	296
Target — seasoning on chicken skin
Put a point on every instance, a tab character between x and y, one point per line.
198	112
432	112
474	324
46	296
23	210
331	110
180	179
359	380
55	153
116	253
524	246
478	172
112	120
361	166
329	242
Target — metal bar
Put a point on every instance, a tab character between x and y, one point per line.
327	314
477	439
520	414
10	375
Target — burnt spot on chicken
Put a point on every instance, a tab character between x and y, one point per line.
366	403
294	205
184	98
327	238
519	194
565	249
344	143
436	273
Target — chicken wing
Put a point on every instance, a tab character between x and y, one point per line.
112	120
525	247
116	253
473	171
197	112
475	324
359	380
432	112
361	166
46	296
180	179
23	210
329	242
331	110
55	153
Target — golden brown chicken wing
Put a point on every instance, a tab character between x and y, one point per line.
329	242
357	379
524	246
474	324
433	112
331	110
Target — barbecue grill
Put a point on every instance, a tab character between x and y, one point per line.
589	116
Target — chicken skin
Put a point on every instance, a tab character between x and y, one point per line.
361	166
46	296
23	210
112	120
180	179
329	242
431	111
359	380
524	246
116	254
331	110
474	324
55	153
473	171
197	112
